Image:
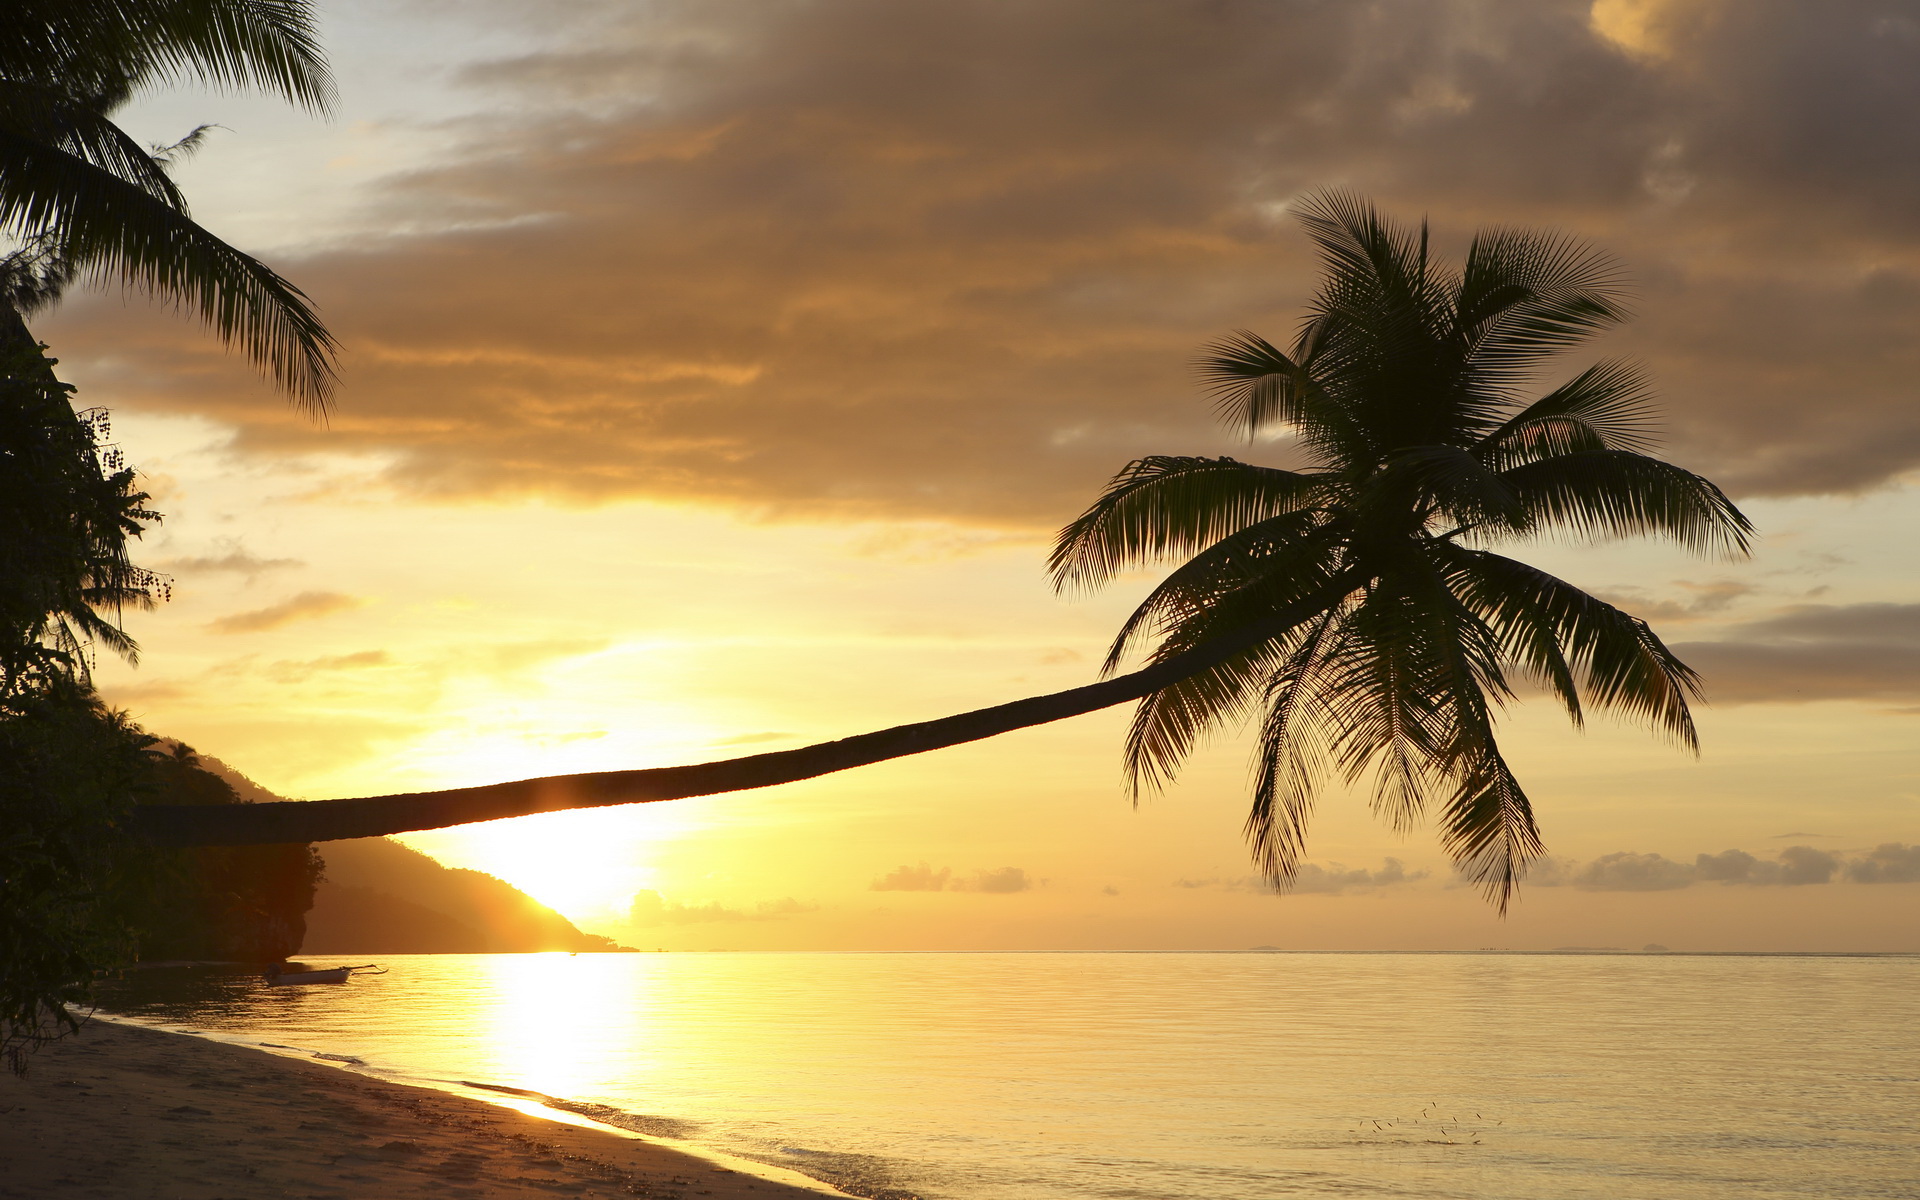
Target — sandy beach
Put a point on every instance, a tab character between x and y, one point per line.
125	1112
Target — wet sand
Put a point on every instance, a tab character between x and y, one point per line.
121	1112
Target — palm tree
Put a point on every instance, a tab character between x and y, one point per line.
79	195
1404	390
1355	604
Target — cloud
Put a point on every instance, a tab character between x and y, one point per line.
1795	866
1889	862
1814	652
303	607
296	670
1826	623
1004	881
506	659
1628	872
1332	879
135	695
650	908
867	258
754	739
235	560
912	879
1698	601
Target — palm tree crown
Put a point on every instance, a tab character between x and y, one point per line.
79	194
1406	388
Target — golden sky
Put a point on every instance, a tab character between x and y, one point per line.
716	374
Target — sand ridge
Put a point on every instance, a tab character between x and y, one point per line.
125	1113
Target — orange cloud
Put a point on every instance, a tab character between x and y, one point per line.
303	607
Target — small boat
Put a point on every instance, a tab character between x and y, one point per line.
275	975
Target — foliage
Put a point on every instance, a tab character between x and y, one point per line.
1407	391
68	508
79	194
80	897
68	772
78	894
79	197
224	903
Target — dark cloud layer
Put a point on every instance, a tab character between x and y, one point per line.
1815	652
872	258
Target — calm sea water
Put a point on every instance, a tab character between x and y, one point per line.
1164	1076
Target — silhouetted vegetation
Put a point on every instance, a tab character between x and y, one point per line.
79	893
221	903
69	769
79	198
68	508
80	896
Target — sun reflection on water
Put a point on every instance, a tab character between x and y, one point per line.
549	1019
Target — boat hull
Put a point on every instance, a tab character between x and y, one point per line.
337	975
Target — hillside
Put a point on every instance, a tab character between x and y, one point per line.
379	897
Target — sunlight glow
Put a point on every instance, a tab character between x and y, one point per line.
586	865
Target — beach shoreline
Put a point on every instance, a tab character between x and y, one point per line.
122	1111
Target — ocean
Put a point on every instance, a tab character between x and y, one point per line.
1164	1076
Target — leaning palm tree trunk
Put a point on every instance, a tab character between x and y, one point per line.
375	816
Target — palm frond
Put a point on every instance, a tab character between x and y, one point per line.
1387	330
1526	295
1618	493
1488	826
1271	563
1621	663
1253	382
1369	258
1292	753
1524	633
52	117
108	225
1167	724
1413	688
1608	406
1165	505
107	46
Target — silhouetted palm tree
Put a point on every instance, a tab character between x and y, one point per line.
79	195
1355	604
1404	389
